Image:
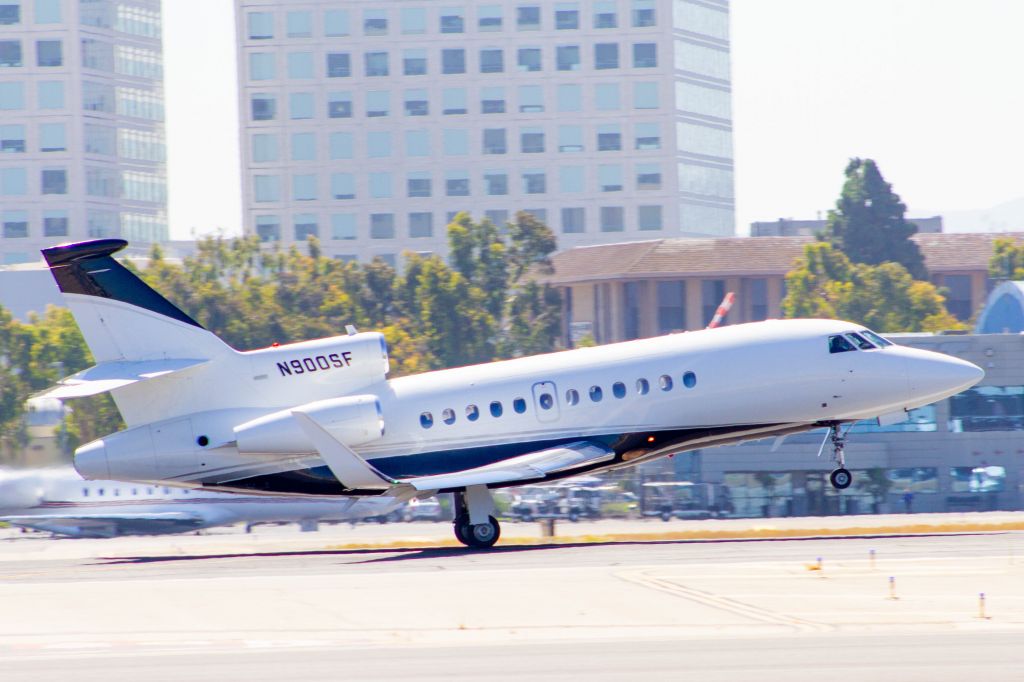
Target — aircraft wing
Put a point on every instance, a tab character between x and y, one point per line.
355	472
107	376
108	524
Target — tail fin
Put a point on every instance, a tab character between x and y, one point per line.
121	317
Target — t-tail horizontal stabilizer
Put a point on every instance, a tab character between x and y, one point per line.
110	375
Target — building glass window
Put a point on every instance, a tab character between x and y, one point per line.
494	141
378	103
529	59
375	22
417	143
488	18
531	99
528	18
649	218
495	183
343	226
10	53
336	23
531	140
456	183
50	95
264	107
456	142
267	187
421	225
339	65
303	147
416	103
343	186
300	24
418	184
54	181
378	144
573	220
497	217
571	179
606	97
645	55
712	291
647	136
570	97
55	223
987	408
304	225
52	137
671	298
648	176
304	187
612	219
567	16
12	139
570	138
261	25
609	177
261	66
339	105
643	13
341	145
454	101
414	20
534	182
609	138
567	57
376	63
15	224
605	15
264	148
380	185
606	56
12	96
47	12
453	20
492	60
414	62
49	53
645	95
300	105
453	61
492	100
382	226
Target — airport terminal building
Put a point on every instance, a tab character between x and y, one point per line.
369	124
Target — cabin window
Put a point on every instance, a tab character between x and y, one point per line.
426	420
861	342
546	401
619	389
448	416
689	379
519	405
839	344
472	413
878	340
135	491
572	397
117	492
665	382
100	492
596	393
496	409
85	492
149	491
642	386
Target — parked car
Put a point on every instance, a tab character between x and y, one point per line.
423	510
684	500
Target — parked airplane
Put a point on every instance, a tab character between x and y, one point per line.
59	501
320	417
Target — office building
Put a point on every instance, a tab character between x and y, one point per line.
369	124
81	124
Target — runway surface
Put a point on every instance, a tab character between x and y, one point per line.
268	607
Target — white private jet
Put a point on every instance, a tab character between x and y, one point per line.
59	501
321	417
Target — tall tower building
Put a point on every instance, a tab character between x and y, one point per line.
369	124
82	150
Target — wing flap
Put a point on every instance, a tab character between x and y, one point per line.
107	376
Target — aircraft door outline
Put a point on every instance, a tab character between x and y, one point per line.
545	401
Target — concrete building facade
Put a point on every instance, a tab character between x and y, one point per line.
370	124
82	150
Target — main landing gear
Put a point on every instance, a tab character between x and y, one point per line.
840	478
475	525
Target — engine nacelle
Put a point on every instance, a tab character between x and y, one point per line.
354	420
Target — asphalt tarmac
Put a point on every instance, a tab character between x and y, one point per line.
285	606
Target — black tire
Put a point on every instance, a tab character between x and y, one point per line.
840	479
666	516
482	535
459	526
526	518
574	516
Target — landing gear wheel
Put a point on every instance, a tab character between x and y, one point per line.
840	479
459	526
666	516
574	516
482	535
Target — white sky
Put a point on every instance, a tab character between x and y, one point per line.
929	88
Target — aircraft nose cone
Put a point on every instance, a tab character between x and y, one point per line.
937	376
91	460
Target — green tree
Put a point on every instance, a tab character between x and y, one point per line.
1007	261
868	223
885	297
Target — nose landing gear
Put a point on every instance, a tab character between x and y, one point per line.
840	478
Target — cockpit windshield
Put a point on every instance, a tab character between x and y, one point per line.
875	338
852	341
839	344
860	341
